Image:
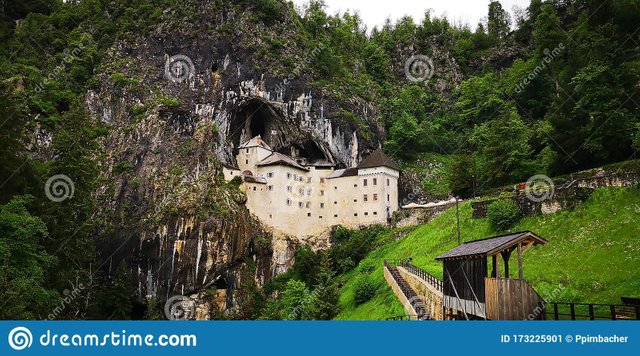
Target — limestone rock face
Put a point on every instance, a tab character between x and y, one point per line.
178	102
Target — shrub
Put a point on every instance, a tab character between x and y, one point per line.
503	214
365	289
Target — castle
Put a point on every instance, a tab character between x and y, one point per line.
299	198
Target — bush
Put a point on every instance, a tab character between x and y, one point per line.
503	214
364	290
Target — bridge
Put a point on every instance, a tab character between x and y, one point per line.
469	292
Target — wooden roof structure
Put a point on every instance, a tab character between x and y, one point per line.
493	245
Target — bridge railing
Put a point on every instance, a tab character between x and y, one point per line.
424	275
581	311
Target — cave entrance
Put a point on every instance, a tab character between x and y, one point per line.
252	119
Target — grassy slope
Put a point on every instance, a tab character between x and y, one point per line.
593	254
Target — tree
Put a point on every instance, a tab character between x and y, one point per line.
498	20
23	262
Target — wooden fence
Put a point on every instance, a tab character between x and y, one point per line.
512	299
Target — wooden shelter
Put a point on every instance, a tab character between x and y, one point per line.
471	292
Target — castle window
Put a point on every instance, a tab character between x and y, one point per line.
301	191
289	189
366	198
308	205
322	192
355	214
321	205
246	161
355	200
321	180
301	179
270	175
335	215
254	189
295	177
288	175
247	150
335	202
335	187
365	183
355	186
309	180
375	213
387	182
366	213
309	192
270	188
300	205
289	202
309	214
388	197
375	181
375	197
320	216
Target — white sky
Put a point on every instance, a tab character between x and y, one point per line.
375	12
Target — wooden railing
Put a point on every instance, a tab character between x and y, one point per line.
419	272
581	311
403	317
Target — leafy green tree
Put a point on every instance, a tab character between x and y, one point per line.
498	20
503	215
23	263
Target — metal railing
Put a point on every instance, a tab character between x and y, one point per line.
581	311
419	272
417	303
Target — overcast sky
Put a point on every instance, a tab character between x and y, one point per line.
375	12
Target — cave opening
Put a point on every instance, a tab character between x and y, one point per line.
257	117
252	119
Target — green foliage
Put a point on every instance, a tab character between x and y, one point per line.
365	289
503	214
23	263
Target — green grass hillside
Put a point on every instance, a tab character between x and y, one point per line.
593	254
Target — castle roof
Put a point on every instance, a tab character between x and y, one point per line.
256	142
349	172
277	158
378	159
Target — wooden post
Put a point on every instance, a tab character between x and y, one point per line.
520	261
497	264
494	273
505	256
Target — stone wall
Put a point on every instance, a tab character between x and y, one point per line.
430	296
408	309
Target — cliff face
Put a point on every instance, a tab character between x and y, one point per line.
178	103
